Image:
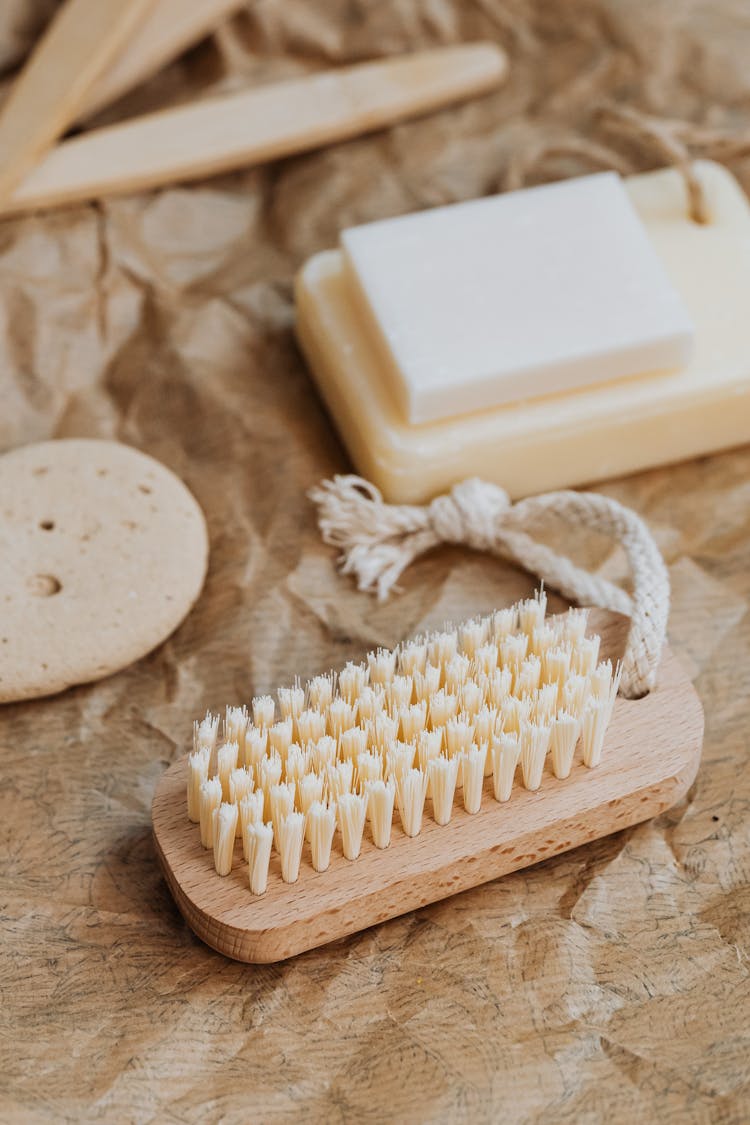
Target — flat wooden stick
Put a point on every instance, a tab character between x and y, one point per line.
221	134
170	28
80	41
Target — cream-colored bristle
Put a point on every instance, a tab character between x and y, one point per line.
341	716
535	742
529	675
515	712
380	796
369	768
585	656
290	835
513	649
575	692
442	647
280	737
442	775
574	624
614	687
227	757
210	799
545	703
320	692
411	790
256	744
291	703
434	715
206	732
413	720
311	725
443	707
353	742
565	731
459	735
264	711
471	697
340	778
269	774
398	694
485	722
281	803
429	745
543	638
457	672
258	840
601	680
251	812
471	635
297	761
412	657
309	790
323	753
350	811
504	622
381	666
382	731
594	722
499	686
321	825
235	727
370	702
486	658
400	758
473	762
426	683
225	819
531	612
506	751
352	681
241	782
197	774
556	665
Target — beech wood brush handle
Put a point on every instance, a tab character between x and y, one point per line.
220	134
169	29
82	38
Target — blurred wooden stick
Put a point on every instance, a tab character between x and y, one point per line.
169	29
82	38
220	134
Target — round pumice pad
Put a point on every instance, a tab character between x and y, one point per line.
103	551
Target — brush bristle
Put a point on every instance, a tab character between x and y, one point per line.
405	728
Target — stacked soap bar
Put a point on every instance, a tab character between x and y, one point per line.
540	339
514	297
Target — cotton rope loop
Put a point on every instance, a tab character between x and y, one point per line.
378	541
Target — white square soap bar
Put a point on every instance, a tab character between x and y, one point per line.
514	297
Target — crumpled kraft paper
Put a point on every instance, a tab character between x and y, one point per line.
608	984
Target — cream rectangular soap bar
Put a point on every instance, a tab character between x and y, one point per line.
514	296
570	438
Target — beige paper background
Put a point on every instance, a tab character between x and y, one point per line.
611	984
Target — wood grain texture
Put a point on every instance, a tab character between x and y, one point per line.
254	126
81	40
650	759
169	29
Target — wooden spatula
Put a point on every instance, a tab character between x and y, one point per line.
83	37
220	134
168	30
